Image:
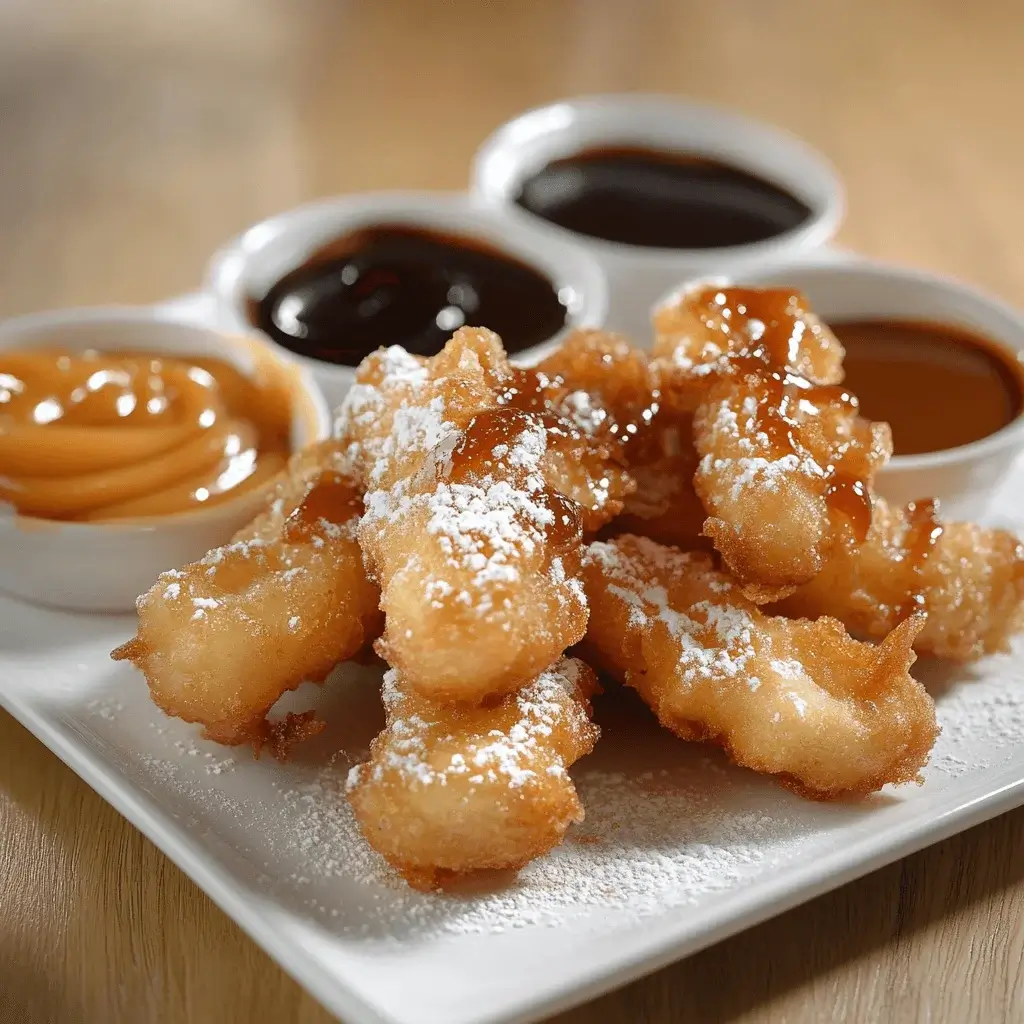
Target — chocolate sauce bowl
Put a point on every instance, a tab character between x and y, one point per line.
657	189
332	281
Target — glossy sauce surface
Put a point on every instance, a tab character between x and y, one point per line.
923	533
937	386
652	198
396	285
94	436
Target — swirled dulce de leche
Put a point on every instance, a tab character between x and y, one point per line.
95	436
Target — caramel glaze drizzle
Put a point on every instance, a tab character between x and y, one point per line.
767	363
624	427
921	538
478	453
330	498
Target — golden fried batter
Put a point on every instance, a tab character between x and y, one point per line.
785	474
449	791
474	518
609	389
798	699
968	579
221	639
786	464
701	331
402	406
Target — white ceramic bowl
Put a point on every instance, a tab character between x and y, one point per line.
103	567
249	266
638	275
966	478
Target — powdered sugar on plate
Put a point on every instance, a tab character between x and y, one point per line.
639	852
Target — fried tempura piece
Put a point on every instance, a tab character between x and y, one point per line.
474	519
403	406
608	388
700	331
221	639
478	561
786	464
785	474
798	699
451	790
968	579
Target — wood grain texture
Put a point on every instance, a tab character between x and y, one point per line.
137	135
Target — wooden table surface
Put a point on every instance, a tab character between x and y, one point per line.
137	135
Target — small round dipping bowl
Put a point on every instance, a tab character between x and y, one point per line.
242	272
638	274
966	478
103	567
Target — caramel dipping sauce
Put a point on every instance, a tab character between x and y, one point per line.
939	387
100	436
394	284
658	199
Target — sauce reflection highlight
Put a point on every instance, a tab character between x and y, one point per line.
395	284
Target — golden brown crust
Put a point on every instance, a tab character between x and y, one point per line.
283	603
785	464
475	513
452	790
968	579
797	699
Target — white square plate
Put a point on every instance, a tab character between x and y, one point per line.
678	850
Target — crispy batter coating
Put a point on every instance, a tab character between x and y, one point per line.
474	518
609	388
798	699
785	474
221	639
451	790
786	464
403	406
665	505
968	579
700	331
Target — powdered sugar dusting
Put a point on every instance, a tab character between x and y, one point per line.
485	525
715	638
509	755
646	846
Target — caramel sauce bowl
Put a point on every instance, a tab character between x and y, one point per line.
104	566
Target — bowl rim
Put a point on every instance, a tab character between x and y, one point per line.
314	412
820	185
1009	436
460	213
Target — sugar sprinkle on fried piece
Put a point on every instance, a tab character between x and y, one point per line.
450	790
801	700
786	462
474	518
221	639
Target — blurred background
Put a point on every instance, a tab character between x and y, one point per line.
140	134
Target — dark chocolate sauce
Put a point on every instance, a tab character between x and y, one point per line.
658	199
398	285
